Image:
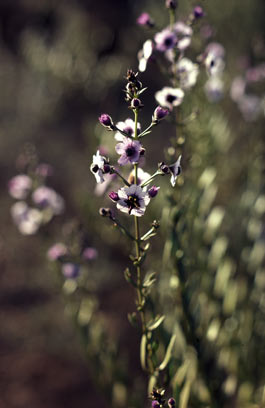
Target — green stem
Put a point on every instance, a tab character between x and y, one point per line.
150	363
114	171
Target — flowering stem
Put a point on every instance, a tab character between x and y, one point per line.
140	299
171	18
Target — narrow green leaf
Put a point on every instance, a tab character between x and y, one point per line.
154	324
143	351
168	353
151	384
185	395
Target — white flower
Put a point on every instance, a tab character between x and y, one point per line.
214	59
237	89
184	33
19	186
128	127
27	219
169	97
97	167
214	89
133	200
175	170
144	54
187	72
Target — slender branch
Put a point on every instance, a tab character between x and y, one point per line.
114	171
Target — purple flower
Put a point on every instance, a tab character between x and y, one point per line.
129	151
19	186
198	12
145	19
155	404
70	270
153	191
159	114
165	40
169	97
175	170
46	197
128	127
133	200
56	251
89	254
106	120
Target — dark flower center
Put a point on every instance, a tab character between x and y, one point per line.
95	168
130	151
128	130
171	98
132	202
168	41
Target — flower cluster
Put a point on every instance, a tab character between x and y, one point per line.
36	203
134	197
170	45
71	264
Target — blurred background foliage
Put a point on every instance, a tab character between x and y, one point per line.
62	64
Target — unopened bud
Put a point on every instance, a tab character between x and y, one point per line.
106	120
114	196
105	212
171	4
159	114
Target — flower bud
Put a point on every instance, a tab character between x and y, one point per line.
114	196
171	403
153	191
145	20
163	167
136	103
159	114
198	12
171	4
106	168
105	212
106	120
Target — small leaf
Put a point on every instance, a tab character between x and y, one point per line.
142	90
168	353
143	351
154	324
132	319
128	277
